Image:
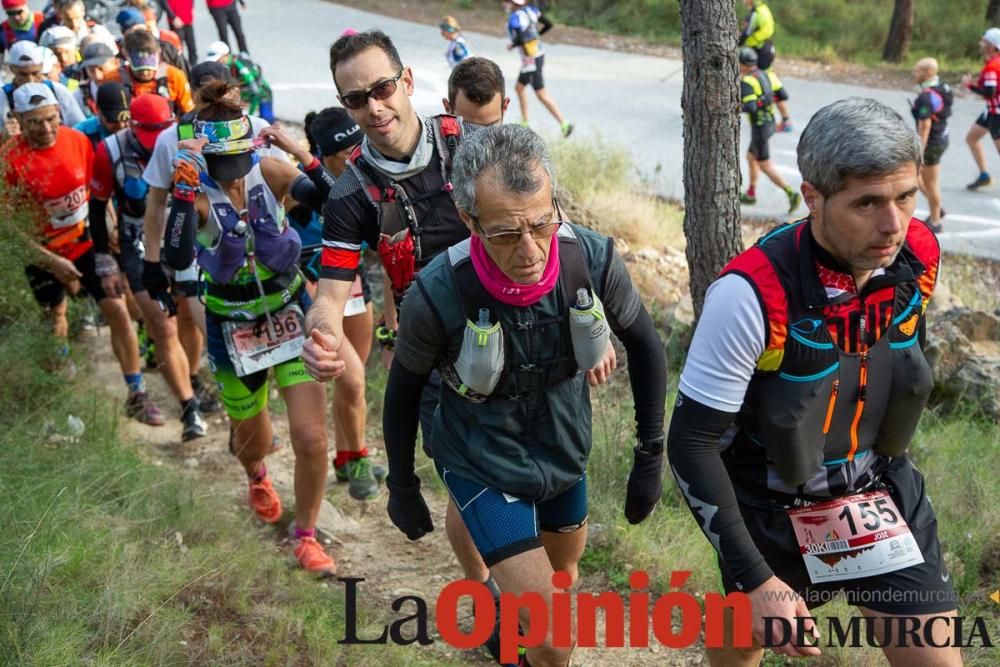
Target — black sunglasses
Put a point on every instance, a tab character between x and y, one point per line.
382	90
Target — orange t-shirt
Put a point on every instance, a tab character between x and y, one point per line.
57	179
178	88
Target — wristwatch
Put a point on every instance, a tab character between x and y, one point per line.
654	446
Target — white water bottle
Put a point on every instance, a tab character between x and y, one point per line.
589	330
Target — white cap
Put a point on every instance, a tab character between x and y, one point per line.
215	51
31	96
24	54
991	36
49	60
58	36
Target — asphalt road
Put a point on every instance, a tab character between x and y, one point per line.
629	100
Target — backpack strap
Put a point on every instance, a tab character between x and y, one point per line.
8	90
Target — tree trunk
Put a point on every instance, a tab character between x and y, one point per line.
710	104
993	12
897	44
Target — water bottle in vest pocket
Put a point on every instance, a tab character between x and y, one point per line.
589	329
227	257
480	361
397	257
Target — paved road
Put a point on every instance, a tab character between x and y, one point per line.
631	100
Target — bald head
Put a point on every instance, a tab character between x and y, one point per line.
925	68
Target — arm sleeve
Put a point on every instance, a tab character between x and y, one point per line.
182	227
304	191
726	345
98	216
400	419
318	174
545	24
693	450
421	338
345	215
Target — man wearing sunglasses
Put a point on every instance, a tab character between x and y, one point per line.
25	62
21	24
512	444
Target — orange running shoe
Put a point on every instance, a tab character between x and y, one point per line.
313	558
264	500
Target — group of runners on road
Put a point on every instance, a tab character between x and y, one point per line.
174	205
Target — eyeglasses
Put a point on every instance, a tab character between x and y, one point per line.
543	230
382	90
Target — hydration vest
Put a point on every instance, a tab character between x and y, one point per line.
760	83
128	160
518	379
162	86
942	99
259	233
814	413
535	433
402	250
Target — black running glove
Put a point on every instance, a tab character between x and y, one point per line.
408	511
155	280
645	482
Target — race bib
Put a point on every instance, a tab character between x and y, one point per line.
251	347
854	537
356	301
528	65
68	209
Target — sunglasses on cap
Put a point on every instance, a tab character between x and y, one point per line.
235	146
382	90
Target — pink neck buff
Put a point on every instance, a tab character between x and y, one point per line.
505	290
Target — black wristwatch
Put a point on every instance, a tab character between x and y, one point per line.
654	446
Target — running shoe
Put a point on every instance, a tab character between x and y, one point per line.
377	469
361	482
784	126
194	423
981	182
208	398
140	407
794	199
313	558
264	501
567	129
747	198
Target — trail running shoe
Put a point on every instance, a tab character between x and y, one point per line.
377	469
567	129
208	399
140	407
784	126
313	558
981	182
794	199
361	482
747	199
194	424
265	502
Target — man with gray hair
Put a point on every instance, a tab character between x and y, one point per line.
802	389
510	317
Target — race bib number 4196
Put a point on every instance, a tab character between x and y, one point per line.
252	348
854	537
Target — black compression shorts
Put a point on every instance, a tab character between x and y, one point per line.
534	78
760	137
991	121
934	151
919	589
49	292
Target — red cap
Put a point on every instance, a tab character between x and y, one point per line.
14	4
150	115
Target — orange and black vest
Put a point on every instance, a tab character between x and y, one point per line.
843	379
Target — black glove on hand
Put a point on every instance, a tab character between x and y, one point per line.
155	280
408	511
645	482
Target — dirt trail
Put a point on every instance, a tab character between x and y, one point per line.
360	536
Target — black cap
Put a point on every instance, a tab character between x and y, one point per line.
333	130
748	56
204	73
113	100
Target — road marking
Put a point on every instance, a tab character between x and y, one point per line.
960	217
984	234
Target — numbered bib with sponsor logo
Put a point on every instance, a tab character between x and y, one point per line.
853	537
251	347
356	300
68	209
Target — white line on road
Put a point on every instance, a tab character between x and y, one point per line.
972	219
982	234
